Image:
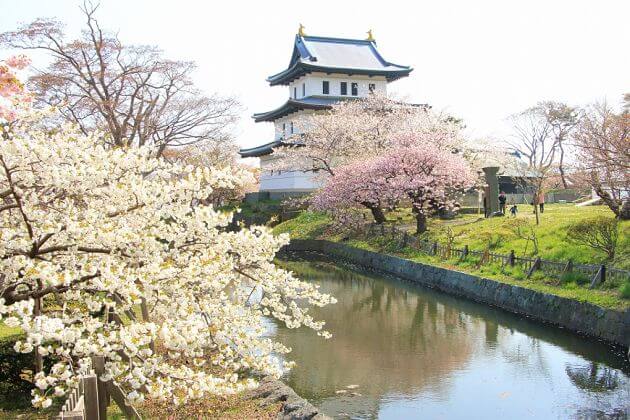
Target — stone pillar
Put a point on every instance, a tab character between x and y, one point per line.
492	197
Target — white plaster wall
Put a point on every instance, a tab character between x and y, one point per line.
313	84
285	180
295	118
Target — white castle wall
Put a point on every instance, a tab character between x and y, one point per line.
286	121
313	85
273	180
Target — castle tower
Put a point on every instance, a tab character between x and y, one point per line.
321	72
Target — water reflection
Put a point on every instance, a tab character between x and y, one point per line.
593	377
417	353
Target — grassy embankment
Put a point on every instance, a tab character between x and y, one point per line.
498	235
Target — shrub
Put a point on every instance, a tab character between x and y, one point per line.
496	238
624	290
15	390
574	277
600	233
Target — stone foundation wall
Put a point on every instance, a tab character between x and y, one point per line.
584	318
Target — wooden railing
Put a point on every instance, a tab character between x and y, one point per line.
597	273
89	401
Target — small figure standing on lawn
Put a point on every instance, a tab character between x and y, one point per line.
513	210
502	200
541	201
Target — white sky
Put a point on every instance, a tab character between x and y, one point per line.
479	60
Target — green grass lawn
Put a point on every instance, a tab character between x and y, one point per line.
497	234
8	331
478	232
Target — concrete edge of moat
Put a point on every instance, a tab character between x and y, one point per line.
585	318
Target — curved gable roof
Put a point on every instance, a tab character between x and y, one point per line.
336	55
294	105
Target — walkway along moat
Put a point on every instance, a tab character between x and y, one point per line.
418	353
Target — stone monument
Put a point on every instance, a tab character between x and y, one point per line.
492	190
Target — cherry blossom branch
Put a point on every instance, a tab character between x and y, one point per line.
11	297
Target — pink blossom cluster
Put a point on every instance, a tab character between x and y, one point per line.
18	62
425	173
420	171
12	93
355	185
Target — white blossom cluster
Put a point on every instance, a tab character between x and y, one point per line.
110	252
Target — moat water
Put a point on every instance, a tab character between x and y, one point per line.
402	351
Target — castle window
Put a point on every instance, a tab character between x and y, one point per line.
355	89
284	129
291	127
294	93
325	87
303	89
344	88
372	87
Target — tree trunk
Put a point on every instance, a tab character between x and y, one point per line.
561	167
536	203
610	201
377	213
421	222
38	359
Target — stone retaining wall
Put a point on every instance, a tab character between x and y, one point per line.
584	318
293	407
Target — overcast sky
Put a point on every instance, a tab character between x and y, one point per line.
479	60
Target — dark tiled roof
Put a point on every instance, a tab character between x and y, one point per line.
258	151
294	105
337	55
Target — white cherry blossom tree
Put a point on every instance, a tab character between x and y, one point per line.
111	252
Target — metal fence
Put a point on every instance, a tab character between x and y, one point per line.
597	273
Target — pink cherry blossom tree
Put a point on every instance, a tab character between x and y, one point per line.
602	139
13	96
429	176
355	186
359	130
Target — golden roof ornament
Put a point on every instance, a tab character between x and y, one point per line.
370	36
301	30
